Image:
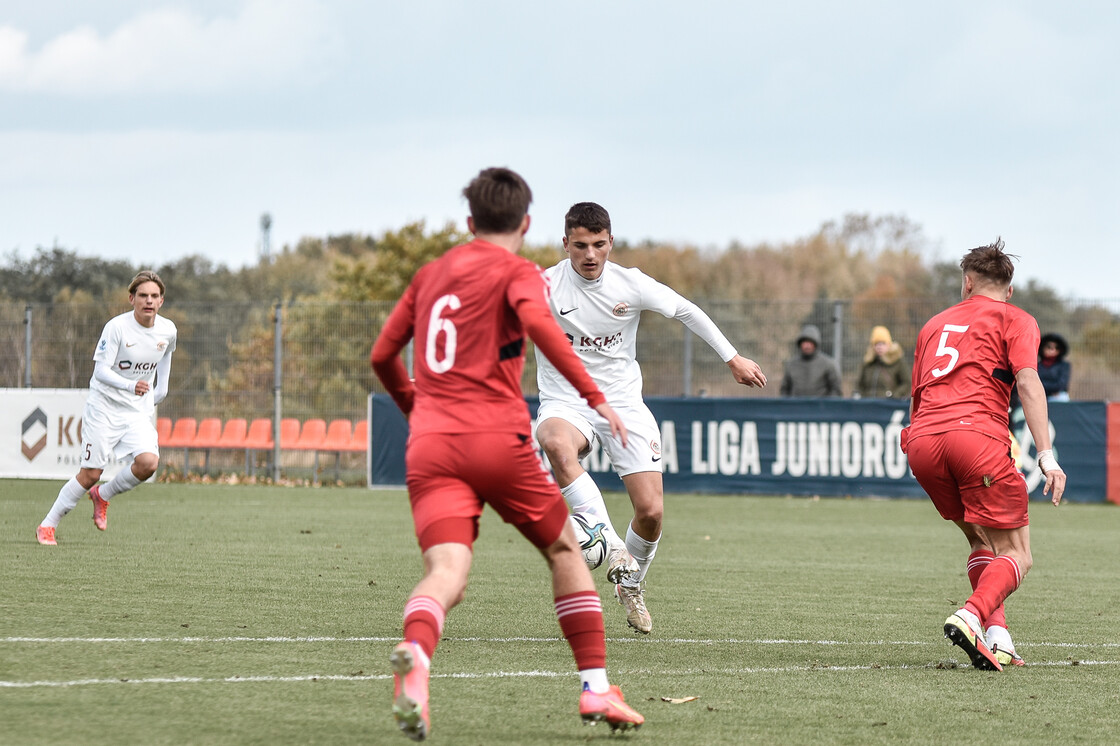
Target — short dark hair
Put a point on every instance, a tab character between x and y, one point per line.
499	199
990	263
145	275
589	216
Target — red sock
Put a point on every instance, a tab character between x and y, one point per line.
581	620
978	562
423	622
996	583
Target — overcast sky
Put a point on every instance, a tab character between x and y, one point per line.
153	129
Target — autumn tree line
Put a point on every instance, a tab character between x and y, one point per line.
334	292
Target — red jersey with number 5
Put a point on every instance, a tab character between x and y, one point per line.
965	363
469	312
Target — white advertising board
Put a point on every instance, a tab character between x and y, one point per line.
42	431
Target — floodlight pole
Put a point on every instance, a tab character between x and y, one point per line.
266	249
838	334
27	347
686	363
277	382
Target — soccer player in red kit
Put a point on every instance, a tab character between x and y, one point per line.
470	444
965	362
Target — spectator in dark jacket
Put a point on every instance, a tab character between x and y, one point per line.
1053	368
810	372
885	374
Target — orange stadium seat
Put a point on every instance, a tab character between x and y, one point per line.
289	432
337	440
163	429
359	441
234	433
182	436
311	435
208	436
259	437
182	433
209	431
338	436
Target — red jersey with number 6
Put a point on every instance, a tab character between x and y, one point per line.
965	363
469	312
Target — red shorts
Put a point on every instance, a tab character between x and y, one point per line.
971	477
451	476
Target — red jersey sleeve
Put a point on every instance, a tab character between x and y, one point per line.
1023	338
385	357
527	295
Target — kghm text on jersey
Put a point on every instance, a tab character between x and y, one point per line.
601	343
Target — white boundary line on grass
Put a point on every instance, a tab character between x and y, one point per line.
495	675
502	640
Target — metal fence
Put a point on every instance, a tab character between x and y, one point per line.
229	355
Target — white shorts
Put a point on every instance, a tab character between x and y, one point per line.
644	450
107	437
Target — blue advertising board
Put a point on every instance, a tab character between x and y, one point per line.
827	447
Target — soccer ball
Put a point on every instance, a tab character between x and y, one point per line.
589	534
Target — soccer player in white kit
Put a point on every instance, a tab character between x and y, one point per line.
132	363
598	305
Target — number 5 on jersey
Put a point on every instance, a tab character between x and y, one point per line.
944	350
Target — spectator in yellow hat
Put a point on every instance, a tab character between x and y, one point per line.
885	375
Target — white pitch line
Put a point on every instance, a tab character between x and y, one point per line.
504	640
499	675
190	680
51	640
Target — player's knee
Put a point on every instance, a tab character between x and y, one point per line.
565	559
451	582
561	441
88	477
145	466
649	515
558	449
563	548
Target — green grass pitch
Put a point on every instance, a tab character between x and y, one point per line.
262	615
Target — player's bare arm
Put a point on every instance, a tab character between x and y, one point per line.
747	372
1033	397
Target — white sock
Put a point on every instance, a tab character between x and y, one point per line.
999	637
642	551
68	497
123	482
583	496
594	679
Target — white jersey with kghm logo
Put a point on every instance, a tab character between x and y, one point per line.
601	318
133	351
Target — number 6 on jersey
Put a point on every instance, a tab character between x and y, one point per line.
437	324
